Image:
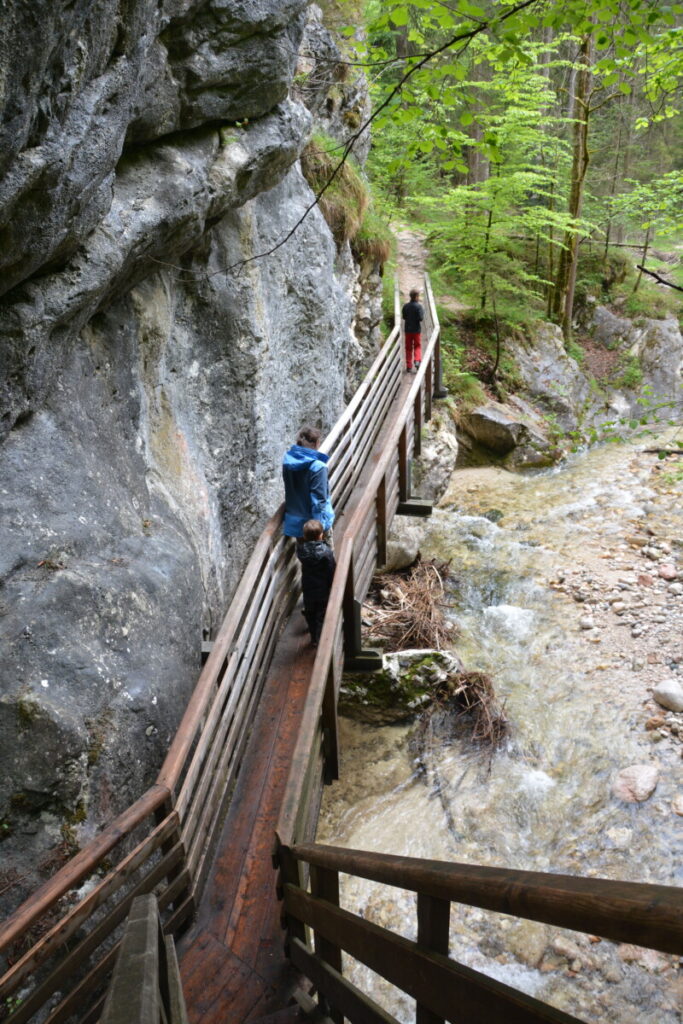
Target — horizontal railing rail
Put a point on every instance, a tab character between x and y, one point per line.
444	990
60	946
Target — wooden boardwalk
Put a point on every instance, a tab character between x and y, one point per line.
232	961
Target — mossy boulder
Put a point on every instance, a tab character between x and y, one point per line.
407	683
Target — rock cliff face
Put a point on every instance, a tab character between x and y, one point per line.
151	371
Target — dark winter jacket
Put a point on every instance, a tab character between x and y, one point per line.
317	570
413	313
307	492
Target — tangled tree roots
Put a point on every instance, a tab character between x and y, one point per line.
405	610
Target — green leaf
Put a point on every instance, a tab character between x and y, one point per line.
625	88
466	118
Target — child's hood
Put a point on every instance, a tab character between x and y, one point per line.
312	551
299	457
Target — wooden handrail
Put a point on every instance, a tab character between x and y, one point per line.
203	692
80	866
642	913
448	990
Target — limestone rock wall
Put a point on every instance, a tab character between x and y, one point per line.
151	371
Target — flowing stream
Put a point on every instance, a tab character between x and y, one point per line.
535	561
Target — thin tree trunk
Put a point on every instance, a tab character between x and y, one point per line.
565	284
646	245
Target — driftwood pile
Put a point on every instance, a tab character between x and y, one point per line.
405	609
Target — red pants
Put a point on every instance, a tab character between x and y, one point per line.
413	349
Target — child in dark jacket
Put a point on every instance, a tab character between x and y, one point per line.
317	570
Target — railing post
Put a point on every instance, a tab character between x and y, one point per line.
291	873
439	390
429	375
433	916
403	466
330	732
381	504
417	420
325	886
355	658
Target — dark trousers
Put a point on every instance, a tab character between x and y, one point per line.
314	612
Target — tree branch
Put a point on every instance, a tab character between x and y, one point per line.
658	278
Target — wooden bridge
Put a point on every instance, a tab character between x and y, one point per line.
223	840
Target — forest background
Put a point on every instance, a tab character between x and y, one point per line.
538	145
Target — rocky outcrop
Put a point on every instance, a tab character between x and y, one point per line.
512	432
154	368
643	353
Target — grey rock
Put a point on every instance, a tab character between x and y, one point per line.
552	378
152	369
94	80
403	543
506	432
404	686
669	694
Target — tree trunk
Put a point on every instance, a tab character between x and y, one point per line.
646	245
565	282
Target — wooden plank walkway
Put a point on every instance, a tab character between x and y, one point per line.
232	961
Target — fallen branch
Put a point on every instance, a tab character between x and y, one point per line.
658	278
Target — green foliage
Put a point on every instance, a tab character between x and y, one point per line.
631	376
463	385
473	134
374	239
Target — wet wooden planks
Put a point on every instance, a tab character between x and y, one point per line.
232	961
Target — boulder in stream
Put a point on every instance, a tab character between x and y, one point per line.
636	783
669	693
405	684
513	433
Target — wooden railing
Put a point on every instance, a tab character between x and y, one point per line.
146	986
648	915
60	946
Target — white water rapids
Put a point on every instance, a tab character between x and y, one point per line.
577	700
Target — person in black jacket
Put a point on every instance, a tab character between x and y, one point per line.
317	570
413	314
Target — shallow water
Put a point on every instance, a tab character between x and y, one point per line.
544	801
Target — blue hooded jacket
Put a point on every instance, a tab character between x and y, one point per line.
307	492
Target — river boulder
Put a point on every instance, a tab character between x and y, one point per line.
406	683
669	694
636	783
511	433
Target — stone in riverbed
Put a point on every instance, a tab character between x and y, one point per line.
405	684
636	783
668	571
669	693
677	804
